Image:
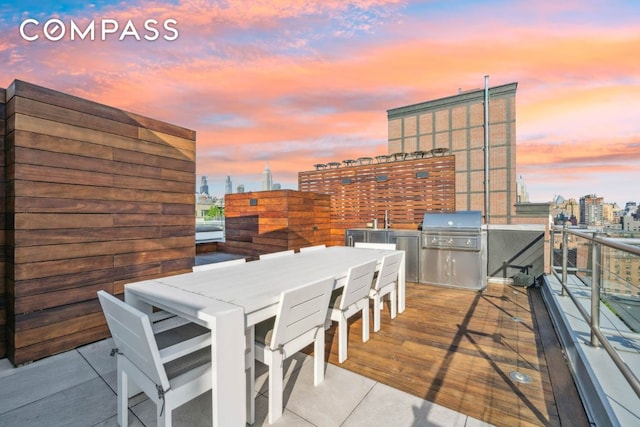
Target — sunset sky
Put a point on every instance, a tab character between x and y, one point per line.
301	82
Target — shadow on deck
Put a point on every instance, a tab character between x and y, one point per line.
467	351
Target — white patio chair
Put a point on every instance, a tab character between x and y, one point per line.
313	248
277	254
349	300
214	265
169	373
385	283
299	322
366	245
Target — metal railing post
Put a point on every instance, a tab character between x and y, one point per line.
596	273
552	240
565	258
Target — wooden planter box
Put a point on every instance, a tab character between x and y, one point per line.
270	221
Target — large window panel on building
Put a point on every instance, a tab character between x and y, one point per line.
442	120
425	121
410	126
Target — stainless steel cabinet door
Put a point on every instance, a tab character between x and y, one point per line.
411	247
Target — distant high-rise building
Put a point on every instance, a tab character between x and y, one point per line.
266	178
240	188
522	195
591	210
204	187
228	187
608	213
630	208
276	186
630	223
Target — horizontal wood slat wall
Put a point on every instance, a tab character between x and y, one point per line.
360	194
3	226
279	220
96	197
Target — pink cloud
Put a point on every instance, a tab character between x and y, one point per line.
270	79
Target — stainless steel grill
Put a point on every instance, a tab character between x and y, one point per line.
453	250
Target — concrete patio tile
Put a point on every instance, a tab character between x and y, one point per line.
113	422
82	405
98	354
385	405
37	380
6	367
288	419
111	379
198	413
291	366
329	403
195	413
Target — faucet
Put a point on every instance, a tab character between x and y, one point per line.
387	223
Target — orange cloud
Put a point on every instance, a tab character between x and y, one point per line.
300	82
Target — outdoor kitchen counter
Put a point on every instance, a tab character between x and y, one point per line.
406	240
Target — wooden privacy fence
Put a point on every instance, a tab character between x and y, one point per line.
405	189
3	226
96	197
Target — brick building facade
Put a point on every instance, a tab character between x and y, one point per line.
457	124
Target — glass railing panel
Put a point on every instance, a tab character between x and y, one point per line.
620	288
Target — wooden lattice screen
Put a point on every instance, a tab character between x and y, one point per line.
406	189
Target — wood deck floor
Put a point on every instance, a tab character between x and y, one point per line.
457	348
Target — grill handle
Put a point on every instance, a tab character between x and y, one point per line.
447	262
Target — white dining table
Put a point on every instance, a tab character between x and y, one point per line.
230	300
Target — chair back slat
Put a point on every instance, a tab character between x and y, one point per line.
389	271
301	310
133	337
358	283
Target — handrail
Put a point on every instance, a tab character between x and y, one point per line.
606	241
594	320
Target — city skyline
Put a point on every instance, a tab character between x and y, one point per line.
256	184
298	83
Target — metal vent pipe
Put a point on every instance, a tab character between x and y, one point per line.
486	149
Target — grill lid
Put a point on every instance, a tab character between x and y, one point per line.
458	220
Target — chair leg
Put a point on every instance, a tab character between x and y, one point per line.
394	305
123	396
377	307
342	338
318	357
275	387
365	322
249	371
164	414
